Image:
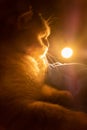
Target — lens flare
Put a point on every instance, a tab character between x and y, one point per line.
67	52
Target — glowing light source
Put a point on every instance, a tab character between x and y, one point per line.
66	52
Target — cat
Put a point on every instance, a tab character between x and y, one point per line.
26	102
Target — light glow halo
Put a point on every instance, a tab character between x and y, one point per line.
67	52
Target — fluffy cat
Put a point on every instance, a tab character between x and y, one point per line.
26	103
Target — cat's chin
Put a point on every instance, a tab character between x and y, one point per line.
44	53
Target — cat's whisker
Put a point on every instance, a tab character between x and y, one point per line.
44	54
52	58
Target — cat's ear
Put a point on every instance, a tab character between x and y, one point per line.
23	19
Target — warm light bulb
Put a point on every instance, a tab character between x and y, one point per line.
66	52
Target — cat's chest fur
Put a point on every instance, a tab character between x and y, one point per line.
20	76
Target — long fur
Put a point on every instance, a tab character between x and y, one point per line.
26	103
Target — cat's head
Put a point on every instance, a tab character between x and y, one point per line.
28	33
33	34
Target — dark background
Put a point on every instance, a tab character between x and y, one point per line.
68	21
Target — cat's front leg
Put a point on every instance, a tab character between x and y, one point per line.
55	96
